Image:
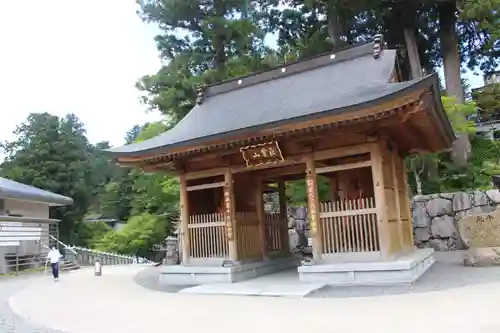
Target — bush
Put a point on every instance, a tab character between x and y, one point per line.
86	234
137	238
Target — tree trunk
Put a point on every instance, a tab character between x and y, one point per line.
335	28
449	50
220	41
451	63
413	55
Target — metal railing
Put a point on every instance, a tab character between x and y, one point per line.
16	263
87	257
66	247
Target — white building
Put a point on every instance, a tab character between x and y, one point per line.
25	224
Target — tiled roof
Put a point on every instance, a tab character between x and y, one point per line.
10	189
329	84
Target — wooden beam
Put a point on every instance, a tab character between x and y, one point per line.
347	166
205	186
290	166
280	172
205	173
343	151
184	201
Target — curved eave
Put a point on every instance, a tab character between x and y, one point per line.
429	82
17	191
51	201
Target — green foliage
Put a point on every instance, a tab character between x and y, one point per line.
459	114
138	236
481	32
438	173
488	101
296	191
53	153
86	234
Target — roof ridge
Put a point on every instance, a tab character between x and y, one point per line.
339	55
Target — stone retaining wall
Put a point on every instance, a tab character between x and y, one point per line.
435	216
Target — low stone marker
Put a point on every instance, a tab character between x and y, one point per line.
481	233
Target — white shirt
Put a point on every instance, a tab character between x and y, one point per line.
54	256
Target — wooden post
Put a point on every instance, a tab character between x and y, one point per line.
283	218
394	164
407	211
231	227
259	206
313	203
380	204
184	219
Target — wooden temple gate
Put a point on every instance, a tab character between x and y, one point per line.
253	134
227	220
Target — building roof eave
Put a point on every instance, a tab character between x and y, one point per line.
404	88
10	189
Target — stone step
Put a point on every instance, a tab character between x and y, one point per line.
69	266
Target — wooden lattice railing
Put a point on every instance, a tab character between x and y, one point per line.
274	239
207	235
349	226
247	228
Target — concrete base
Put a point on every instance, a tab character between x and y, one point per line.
195	275
281	284
405	269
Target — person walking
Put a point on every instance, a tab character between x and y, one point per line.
54	256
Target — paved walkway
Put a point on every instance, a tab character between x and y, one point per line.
9	321
82	303
284	283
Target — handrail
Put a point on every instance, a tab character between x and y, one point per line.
65	246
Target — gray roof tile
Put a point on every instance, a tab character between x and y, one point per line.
304	90
10	189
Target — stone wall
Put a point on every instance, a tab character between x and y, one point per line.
435	216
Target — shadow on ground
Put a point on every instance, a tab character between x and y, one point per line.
149	278
447	273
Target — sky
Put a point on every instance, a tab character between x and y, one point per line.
78	56
75	56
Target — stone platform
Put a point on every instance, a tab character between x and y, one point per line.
405	269
282	284
195	275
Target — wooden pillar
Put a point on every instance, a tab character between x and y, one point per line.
407	211
259	206
231	228
283	217
313	204
184	201
397	203
380	202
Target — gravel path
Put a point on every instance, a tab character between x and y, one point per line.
9	321
447	273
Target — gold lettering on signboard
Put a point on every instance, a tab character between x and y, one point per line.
311	193
263	153
229	225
